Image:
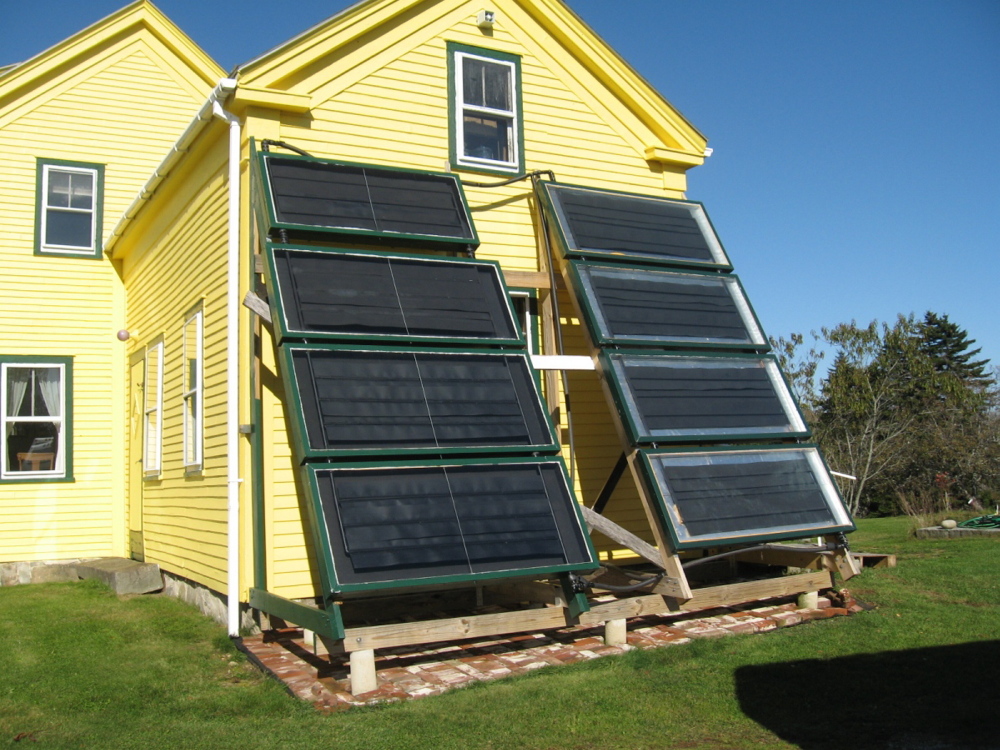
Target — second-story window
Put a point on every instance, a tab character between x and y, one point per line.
69	208
485	109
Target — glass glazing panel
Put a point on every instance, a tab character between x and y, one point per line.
649	306
487	84
672	397
354	199
416	523
340	294
354	400
711	497
488	137
641	227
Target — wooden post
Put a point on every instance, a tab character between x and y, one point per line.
615	632
363	678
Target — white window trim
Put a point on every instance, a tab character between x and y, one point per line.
194	432
513	165
68	249
58	470
152	461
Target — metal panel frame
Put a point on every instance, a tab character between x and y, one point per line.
680	541
328	575
268	220
296	419
597	323
637	433
571	249
283	333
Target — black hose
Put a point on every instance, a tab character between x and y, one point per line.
730	553
512	180
266	144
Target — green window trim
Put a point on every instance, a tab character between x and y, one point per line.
57	226
61	465
511	114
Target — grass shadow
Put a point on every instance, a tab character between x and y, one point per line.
920	699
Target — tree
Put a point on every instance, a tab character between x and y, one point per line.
904	408
864	420
947	344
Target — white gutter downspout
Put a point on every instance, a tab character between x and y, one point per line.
232	371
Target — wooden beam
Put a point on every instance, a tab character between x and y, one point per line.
710	597
846	564
453	629
672	585
528	279
259	306
788	557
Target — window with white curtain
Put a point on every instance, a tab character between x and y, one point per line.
34	418
152	424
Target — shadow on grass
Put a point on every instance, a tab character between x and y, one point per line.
921	699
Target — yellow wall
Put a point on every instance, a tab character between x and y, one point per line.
178	262
390	107
122	105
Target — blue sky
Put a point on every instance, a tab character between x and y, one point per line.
856	172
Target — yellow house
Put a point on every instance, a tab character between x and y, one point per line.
83	125
497	130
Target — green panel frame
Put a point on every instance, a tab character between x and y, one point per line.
678	542
328	576
263	203
295	416
570	251
638	436
285	334
592	316
326	622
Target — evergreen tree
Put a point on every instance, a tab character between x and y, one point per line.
948	346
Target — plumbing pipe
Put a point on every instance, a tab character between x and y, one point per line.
233	479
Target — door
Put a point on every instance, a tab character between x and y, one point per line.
135	483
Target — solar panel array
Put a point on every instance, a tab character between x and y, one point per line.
686	365
428	455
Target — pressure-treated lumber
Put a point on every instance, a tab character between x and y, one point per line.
669	585
453	629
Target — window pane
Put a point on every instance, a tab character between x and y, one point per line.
191	355
488	138
486	84
59	189
31	446
81	193
70	229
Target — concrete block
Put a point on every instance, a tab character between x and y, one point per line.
54	574
123	576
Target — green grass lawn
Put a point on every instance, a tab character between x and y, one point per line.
81	668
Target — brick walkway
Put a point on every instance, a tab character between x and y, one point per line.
418	671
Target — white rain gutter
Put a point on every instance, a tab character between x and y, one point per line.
222	90
233	479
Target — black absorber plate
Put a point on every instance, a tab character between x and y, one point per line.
356	295
313	194
745	495
626	305
623	226
420	524
357	401
670	398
